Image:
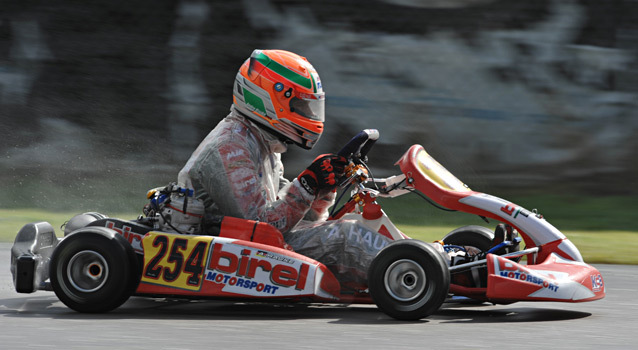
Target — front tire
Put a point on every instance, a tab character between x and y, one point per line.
94	270
408	280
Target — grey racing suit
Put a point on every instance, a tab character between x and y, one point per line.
237	171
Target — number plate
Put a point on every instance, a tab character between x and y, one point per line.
175	260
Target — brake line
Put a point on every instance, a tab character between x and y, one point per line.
434	204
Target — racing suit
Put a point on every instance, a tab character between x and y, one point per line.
237	171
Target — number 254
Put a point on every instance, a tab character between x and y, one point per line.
193	266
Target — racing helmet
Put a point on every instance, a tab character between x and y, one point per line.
281	91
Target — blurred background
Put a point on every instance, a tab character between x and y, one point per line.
102	100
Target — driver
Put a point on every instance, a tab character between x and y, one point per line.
237	171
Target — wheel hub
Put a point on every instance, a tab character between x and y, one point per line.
87	271
405	280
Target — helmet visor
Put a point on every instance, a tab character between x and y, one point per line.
313	109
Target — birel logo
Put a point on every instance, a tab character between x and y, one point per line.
228	268
135	239
597	283
510	270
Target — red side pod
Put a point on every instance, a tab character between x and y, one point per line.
254	231
206	266
328	283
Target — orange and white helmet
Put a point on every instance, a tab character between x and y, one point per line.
282	91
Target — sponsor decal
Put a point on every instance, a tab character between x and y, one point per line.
356	235
306	185
241	282
514	211
254	273
514	271
279	224
273	256
243	184
597	283
318	81
243	178
135	239
234	154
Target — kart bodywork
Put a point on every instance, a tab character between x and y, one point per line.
233	268
555	270
227	266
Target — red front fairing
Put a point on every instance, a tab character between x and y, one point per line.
555	279
428	176
206	266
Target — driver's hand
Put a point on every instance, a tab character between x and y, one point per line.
324	173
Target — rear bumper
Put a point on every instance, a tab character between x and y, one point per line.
30	256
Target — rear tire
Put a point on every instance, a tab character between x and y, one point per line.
473	235
408	280
476	236
94	270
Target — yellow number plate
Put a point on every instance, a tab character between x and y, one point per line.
175	260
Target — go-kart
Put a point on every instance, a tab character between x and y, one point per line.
100	262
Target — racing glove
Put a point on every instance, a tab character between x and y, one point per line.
324	173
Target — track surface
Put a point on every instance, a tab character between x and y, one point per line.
40	321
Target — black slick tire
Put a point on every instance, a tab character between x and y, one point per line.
94	270
472	235
408	280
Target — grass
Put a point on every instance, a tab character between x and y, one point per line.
603	228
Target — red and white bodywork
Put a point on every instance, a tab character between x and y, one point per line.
555	279
554	271
206	266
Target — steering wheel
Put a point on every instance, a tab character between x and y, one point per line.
355	151
358	147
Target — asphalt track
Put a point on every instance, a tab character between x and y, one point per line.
40	321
